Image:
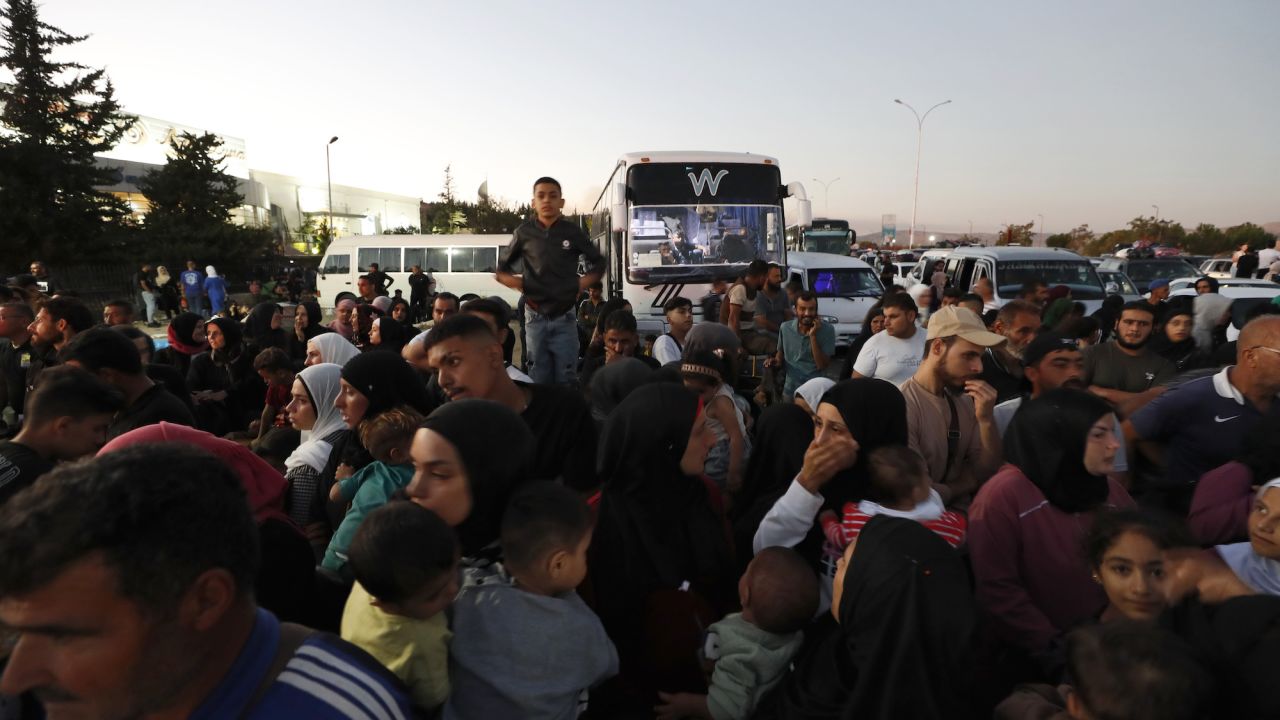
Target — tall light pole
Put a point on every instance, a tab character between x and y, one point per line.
826	196
329	179
1159	230
915	204
1157	209
1041	227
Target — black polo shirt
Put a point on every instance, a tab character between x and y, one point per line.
20	466
550	263
153	406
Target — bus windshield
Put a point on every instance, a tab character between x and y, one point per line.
695	243
835	242
1078	275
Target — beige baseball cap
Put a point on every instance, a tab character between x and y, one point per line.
955	320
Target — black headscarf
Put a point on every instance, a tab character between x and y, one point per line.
612	383
257	327
233	336
314	317
386	380
657	527
1184	354
902	648
1046	441
782	435
393	335
473	427
876	415
183	328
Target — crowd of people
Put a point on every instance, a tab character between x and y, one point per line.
1019	512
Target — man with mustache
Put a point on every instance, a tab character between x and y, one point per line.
949	409
1123	372
1018	321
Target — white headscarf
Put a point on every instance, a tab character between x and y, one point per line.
208	270
1258	572
162	275
334	348
813	390
324	382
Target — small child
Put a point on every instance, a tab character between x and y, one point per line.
387	437
753	649
528	647
405	561
275	367
900	487
704	373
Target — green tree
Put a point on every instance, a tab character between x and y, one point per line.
1166	232
315	231
1249	234
1207	239
56	115
192	200
1077	239
1016	234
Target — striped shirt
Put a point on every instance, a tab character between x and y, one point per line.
951	526
326	679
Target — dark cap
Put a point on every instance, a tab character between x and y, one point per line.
1045	343
676	302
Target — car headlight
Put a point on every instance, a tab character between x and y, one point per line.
829	319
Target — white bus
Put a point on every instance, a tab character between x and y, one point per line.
460	264
668	223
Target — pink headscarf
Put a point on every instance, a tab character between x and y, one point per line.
262	483
346	330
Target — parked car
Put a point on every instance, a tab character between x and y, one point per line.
1218	267
1244	298
1010	267
1143	271
1117	283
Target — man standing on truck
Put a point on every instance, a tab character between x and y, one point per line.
548	247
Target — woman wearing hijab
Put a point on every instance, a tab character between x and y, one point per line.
1257	562
387	334
612	383
228	393
809	395
1173	340
216	288
1027	523
659	559
342	318
166	292
902	646
362	323
854	418
263	329
458	476
330	347
371	383
287	571
782	435
1212	311
311	410
306	325
186	340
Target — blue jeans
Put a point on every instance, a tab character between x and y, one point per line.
149	301
196	305
552	347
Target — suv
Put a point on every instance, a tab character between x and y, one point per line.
1144	271
1010	267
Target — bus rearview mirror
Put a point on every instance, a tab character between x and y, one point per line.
805	210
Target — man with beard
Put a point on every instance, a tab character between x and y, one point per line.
1201	424
772	306
1018	321
949	410
1123	372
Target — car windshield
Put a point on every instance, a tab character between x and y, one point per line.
1078	275
845	282
1124	286
698	242
1143	272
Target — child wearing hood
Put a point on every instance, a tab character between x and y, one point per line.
900	487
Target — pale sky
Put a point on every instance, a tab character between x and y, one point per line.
1084	111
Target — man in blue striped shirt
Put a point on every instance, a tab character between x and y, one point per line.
126	590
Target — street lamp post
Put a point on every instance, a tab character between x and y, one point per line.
329	179
1042	238
915	204
1159	230
826	195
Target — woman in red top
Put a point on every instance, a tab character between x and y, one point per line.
1027	523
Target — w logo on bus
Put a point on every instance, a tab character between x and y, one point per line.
701	182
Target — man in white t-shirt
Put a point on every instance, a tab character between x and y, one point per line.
1268	256
894	353
742	311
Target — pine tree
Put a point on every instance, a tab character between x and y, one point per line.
192	198
53	118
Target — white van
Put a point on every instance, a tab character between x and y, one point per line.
1010	267
922	271
846	289
460	264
